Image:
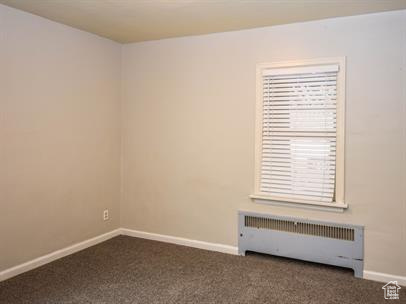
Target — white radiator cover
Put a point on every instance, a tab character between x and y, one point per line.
309	240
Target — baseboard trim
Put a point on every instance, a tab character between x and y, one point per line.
19	269
181	241
384	277
45	259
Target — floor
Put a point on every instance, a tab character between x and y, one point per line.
132	270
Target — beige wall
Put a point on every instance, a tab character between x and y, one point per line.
188	130
59	136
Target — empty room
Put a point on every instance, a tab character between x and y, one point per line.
202	151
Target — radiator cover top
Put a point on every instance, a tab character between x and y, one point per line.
309	240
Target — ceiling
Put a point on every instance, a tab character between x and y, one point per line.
139	20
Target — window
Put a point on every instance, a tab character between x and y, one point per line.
300	132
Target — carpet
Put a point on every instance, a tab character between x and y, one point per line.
132	270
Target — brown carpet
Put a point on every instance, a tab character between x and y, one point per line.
132	270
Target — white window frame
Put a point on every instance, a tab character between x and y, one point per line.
339	202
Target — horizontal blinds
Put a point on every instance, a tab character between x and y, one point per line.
299	133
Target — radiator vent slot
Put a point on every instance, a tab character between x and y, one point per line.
340	233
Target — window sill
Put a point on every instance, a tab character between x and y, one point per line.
335	207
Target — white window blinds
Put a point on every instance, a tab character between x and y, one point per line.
298	151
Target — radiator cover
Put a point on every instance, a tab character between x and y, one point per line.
309	240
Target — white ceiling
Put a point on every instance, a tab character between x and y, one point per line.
139	20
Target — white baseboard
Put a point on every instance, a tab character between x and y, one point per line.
181	241
16	270
384	277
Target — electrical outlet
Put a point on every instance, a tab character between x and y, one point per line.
106	215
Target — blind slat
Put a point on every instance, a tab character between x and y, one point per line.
307	70
318	194
299	184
